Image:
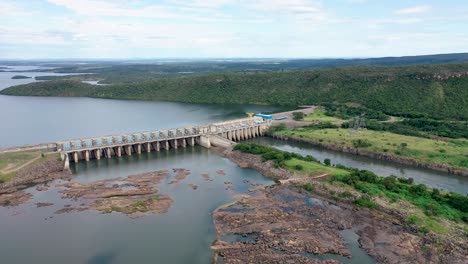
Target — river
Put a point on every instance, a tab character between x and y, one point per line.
184	234
431	178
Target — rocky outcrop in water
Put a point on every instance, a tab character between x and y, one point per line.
284	223
135	195
42	171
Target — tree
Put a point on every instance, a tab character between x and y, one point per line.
298	116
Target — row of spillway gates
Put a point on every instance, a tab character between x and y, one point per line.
127	144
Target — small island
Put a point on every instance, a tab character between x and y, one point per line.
20	77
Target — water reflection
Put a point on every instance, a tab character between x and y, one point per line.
431	178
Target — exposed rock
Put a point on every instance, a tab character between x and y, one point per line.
134	206
289	223
42	188
43	204
181	174
44	170
206	177
15	198
193	186
245	160
70	210
132	185
135	195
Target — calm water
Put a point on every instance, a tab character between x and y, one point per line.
6	74
183	235
431	178
32	120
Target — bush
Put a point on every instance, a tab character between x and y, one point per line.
346	194
361	143
277	128
321	125
419	189
432	208
310	158
365	201
308	187
327	162
298	116
413	219
298	167
458	201
390	183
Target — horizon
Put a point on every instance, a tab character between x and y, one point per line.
217	58
223	29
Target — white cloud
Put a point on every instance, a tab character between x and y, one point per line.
414	10
8	9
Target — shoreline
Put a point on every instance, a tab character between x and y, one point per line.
380	156
265	219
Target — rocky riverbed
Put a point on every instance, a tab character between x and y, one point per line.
284	223
45	170
135	195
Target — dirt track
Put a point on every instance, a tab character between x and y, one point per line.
289	122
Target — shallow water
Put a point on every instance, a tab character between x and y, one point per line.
183	235
358	255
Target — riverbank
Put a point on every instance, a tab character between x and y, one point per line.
346	145
42	169
301	222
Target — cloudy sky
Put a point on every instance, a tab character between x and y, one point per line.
230	28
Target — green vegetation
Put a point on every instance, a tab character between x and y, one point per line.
436	91
298	116
453	152
312	168
421	127
361	143
20	77
365	201
139	203
432	202
308	187
347	111
319	115
9	162
268	153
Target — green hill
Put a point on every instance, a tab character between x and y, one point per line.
439	91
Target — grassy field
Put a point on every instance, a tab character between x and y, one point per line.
453	152
319	115
308	168
9	162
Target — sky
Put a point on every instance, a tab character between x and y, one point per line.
126	29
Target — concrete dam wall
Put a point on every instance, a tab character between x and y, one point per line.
221	134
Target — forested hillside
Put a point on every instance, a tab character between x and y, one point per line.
439	91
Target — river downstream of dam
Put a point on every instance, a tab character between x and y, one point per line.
183	234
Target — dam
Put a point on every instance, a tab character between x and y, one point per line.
222	134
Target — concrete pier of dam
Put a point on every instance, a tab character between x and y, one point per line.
223	134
